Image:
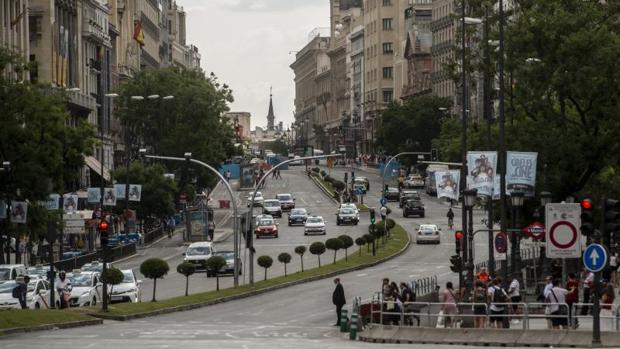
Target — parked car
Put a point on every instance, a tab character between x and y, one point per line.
407	195
427	234
296	162
272	207
286	201
297	216
414	181
229	268
11	271
198	253
266	226
37	272
347	216
95	266
258	199
392	194
85	288
413	207
315	225
37	295
128	290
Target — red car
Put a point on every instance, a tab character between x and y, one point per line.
266	226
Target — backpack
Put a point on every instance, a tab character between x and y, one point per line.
498	295
16	291
480	296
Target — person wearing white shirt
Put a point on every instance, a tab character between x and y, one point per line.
545	295
515	297
613	265
497	297
587	285
559	310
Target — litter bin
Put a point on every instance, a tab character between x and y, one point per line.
224	203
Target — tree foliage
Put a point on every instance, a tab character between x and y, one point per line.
317	249
284	258
360	242
186	269
154	268
347	242
265	262
301	250
213	266
334	244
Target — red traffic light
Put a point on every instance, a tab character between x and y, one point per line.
103	225
586	204
458	235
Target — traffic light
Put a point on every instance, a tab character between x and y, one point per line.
458	239
457	263
434	155
385	189
587	217
372	215
611	227
104	235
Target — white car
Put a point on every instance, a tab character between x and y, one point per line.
37	296
414	181
128	290
428	234
351	206
95	266
11	271
296	162
272	207
315	225
197	253
258	200
85	288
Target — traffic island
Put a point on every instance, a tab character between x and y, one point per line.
22	321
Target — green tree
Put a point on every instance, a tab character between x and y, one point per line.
347	242
112	277
369	238
334	244
214	265
317	249
265	262
278	147
284	258
154	268
360	242
301	250
186	269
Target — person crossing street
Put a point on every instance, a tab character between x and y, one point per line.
338	299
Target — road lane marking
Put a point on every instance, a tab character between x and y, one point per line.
360	275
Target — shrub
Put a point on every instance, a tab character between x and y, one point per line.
265	262
369	238
284	258
334	244
360	242
338	185
112	276
300	250
316	169
347	242
154	268
213	265
317	248
186	269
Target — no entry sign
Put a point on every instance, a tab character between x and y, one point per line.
563	222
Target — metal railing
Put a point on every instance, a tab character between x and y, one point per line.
77	262
152	235
424	286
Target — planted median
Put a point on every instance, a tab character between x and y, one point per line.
34	318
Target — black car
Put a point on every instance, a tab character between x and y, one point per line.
413	208
297	216
347	216
408	195
392	194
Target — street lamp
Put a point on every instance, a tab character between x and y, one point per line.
545	198
516	200
469	200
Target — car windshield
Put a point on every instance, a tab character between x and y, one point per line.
314	220
266	221
7	287
127	277
80	280
5	273
272	203
284	197
92	267
413	202
346	211
298	212
351	206
198	251
427	228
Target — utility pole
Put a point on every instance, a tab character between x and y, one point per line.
502	121
463	130
487	116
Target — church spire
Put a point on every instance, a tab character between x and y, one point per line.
270	116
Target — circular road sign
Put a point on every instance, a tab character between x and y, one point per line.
535	230
501	242
595	258
562	227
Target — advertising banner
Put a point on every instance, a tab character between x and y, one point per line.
70	203
447	183
521	172
52	203
120	191
19	212
135	192
247	179
94	195
481	169
109	197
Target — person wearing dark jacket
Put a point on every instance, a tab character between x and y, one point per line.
22	291
338	298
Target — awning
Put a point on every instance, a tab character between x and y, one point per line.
95	165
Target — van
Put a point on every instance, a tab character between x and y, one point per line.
11	271
197	253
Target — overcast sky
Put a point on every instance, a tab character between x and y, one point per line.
246	43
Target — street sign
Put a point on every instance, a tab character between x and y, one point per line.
563	222
501	242
595	258
535	230
73	223
359	191
383	201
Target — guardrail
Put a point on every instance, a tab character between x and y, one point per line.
429	314
152	235
424	286
77	262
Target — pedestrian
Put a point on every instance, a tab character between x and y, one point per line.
557	300
543	298
613	265
228	176
385	288
62	286
587	287
449	305
607	301
515	298
338	299
498	298
279	175
408	297
21	291
479	298
572	297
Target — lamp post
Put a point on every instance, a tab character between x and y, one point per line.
4	238
469	200
545	198
516	199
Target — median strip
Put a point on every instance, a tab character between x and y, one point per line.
19	321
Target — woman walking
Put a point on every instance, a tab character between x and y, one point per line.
449	305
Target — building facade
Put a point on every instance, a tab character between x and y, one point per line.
14	33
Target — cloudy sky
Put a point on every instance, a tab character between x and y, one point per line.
246	43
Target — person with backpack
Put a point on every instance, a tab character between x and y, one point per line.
497	297
408	296
558	309
479	297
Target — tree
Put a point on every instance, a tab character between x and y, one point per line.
369	238
317	248
213	265
186	269
300	250
334	244
284	258
154	268
347	242
112	277
265	262
360	242
278	147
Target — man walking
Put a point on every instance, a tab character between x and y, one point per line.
21	290
228	176
338	299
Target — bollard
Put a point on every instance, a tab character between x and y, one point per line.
344	320
353	332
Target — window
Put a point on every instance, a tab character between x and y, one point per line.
387	96
387	2
387	48
387	24
387	72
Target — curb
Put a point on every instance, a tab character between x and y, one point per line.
66	325
323	189
252	293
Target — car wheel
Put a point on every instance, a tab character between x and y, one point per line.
37	306
94	302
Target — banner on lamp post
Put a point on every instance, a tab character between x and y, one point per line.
521	172
120	191
70	203
447	184
19	212
94	195
481	171
109	197
135	192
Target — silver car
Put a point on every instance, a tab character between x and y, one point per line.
315	225
428	234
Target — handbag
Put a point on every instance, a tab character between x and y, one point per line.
440	319
561	310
